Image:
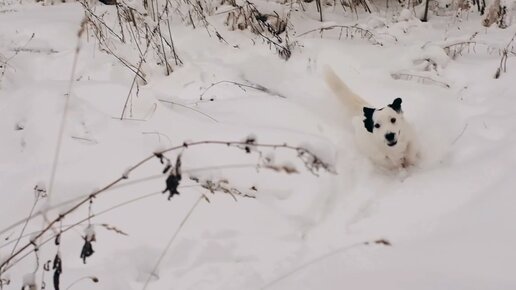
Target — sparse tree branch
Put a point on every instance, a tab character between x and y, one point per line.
190	108
382	242
310	160
503	61
85	6
351	31
171	241
118	186
242	87
420	78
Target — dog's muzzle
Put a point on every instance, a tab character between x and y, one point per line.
391	139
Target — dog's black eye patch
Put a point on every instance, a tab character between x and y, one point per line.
368	119
393	120
377	125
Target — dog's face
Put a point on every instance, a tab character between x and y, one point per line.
386	123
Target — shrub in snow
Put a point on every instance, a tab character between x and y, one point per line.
248	17
312	163
505	19
426	66
492	14
499	12
448	7
271	27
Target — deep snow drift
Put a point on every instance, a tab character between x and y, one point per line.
449	221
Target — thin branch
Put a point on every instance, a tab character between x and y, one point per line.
195	110
118	186
242	87
311	161
422	78
207	24
130	66
460	135
26	223
503	61
90	216
321	258
91	141
456	48
57	153
176	57
159	136
85	6
350	31
172	239
17	51
122	204
142	60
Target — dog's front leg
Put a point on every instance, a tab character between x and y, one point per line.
412	156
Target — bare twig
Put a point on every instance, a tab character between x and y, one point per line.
190	108
457	48
65	109
221	186
268	26
453	50
310	160
319	9
102	212
242	87
351	31
460	135
4	63
142	59
36	199
85	6
90	216
199	12
176	57
172	239
321	258
503	61
87	140
420	78
118	186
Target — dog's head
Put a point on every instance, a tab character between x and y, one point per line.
386	123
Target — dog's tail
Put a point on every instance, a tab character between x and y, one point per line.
352	102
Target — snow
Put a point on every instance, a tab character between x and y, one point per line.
449	220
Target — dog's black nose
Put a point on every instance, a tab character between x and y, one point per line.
390	136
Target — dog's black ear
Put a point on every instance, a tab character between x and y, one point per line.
396	105
368	119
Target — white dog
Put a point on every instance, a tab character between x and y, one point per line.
383	135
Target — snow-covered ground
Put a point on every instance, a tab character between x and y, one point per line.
450	221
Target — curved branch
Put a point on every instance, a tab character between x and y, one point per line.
311	161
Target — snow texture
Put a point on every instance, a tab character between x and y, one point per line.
450	220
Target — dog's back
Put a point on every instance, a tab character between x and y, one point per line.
352	102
